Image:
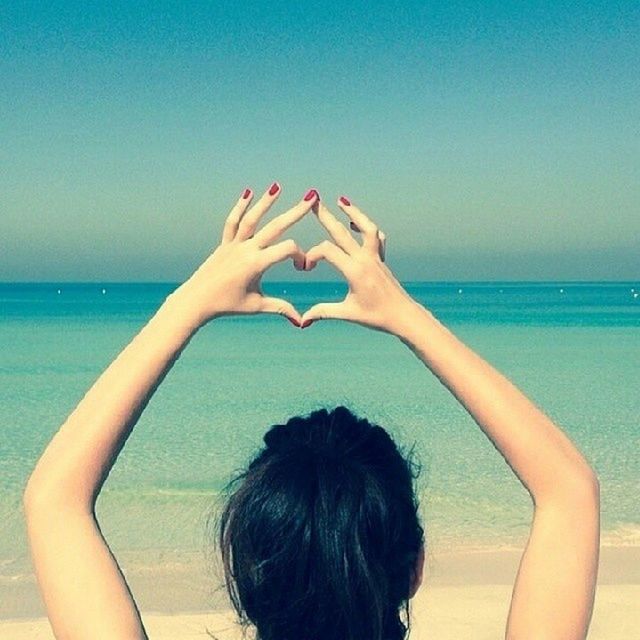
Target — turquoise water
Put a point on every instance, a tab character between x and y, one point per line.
573	348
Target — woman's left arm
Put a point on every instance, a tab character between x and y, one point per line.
83	588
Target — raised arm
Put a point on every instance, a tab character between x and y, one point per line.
554	590
83	588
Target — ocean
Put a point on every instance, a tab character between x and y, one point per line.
574	348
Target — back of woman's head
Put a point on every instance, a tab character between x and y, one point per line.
320	535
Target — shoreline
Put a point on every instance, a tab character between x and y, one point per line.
446	612
195	586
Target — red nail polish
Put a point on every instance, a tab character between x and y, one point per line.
310	194
306	323
345	201
295	323
275	187
246	194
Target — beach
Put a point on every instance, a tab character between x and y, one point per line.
573	348
466	595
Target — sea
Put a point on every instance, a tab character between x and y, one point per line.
573	348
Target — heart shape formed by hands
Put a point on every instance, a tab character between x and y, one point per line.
229	281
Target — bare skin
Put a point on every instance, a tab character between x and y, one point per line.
82	585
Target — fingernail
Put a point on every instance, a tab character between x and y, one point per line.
246	194
275	187
306	323
345	201
294	322
310	194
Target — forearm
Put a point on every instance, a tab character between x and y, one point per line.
541	455
79	457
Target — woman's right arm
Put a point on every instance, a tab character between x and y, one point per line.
555	586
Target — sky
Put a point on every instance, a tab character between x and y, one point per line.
488	140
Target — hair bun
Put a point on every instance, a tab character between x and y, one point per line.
336	436
280	438
302	438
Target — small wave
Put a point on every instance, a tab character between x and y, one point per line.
625	535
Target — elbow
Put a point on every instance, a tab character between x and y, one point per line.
33	494
593	486
579	488
32	497
42	497
583	489
587	484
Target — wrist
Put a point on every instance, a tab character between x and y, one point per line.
182	311
410	322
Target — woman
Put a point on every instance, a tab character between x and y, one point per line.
320	539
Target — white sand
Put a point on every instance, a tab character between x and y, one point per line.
440	613
466	596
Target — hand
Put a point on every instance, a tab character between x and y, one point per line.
375	299
228	282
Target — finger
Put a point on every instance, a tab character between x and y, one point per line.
336	229
233	219
362	223
382	240
383	245
250	220
282	251
325	311
328	251
276	227
281	307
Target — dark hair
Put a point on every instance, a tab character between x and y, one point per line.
320	535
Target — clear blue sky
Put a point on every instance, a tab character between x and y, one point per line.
490	140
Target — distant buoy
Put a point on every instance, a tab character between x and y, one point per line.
561	290
59	291
104	291
459	290
284	291
501	290
635	295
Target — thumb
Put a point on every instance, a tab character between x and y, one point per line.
324	311
282	307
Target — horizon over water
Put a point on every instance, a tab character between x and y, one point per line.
572	347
